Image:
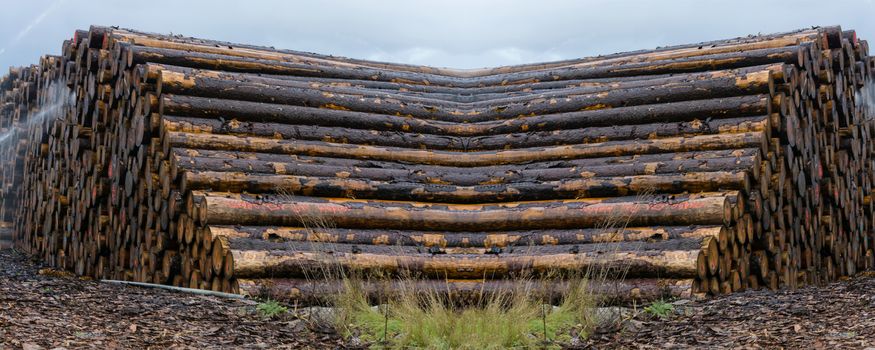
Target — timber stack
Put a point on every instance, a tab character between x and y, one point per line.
706	168
17	97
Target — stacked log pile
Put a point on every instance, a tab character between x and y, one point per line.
705	168
17	96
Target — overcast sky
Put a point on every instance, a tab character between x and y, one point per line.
449	33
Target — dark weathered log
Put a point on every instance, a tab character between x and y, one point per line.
140	54
173	79
469	159
738	154
310	132
199	107
440	142
291	93
663	53
367	189
534	172
459	239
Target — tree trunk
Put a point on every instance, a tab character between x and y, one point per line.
238	209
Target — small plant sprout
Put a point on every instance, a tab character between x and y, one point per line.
270	309
660	308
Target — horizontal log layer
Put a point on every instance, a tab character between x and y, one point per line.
196	82
468	159
288	93
237	209
458	176
277	247
729	107
367	189
364	163
441	142
465	292
458	239
663	53
271	260
178	77
140	55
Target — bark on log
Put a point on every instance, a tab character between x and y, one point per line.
140	55
188	106
368	189
663	53
469	159
237	209
441	142
362	100
272	260
459	176
458	239
181	80
465	292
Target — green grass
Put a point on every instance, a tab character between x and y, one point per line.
429	320
660	308
270	309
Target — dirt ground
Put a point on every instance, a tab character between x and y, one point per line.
840	315
40	308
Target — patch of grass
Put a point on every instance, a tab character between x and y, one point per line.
431	319
433	323
577	312
354	316
270	309
659	308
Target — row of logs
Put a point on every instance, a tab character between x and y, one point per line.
706	168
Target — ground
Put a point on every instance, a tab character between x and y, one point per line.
45	309
41	308
840	315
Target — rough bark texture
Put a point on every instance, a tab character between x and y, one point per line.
734	164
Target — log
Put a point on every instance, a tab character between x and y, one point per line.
517	191
441	142
458	239
305	292
290	93
469	159
140	55
182	80
739	154
663	53
460	176
188	106
272	260
236	209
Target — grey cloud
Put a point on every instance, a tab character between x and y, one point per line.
454	33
